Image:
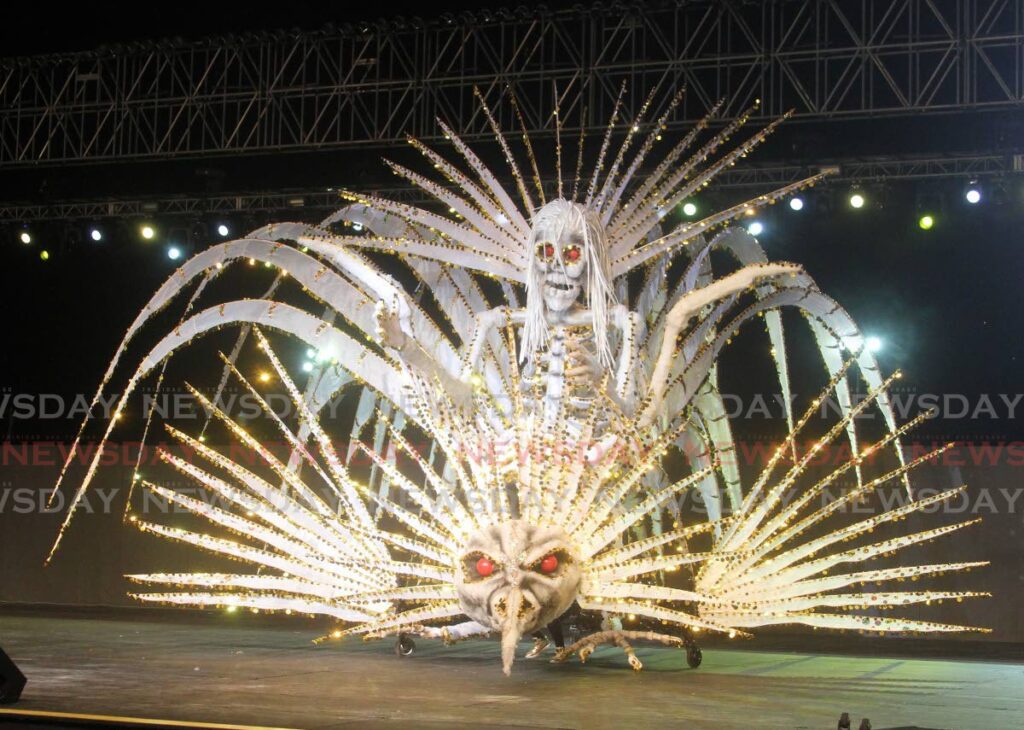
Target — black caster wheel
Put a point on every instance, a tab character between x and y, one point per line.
694	656
404	646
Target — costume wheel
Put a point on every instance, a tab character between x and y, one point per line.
404	646
694	656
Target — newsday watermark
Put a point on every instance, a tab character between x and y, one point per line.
182	405
106	500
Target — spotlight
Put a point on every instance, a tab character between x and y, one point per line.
926	222
756	228
690	209
223	230
310	353
264	377
26	237
857	200
44	255
174	253
872	344
147	232
96	234
307	367
796	203
973	195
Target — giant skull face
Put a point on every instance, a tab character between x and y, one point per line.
560	253
515	578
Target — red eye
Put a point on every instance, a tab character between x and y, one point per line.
549	251
484	567
549	564
572	253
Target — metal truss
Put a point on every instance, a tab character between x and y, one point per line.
373	84
308	204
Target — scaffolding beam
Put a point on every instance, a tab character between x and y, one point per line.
372	84
308	204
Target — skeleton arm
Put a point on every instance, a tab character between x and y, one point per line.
393	336
486	323
687	308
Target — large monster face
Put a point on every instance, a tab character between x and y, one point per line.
560	253
516	578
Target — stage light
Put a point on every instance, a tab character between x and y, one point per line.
174	253
690	209
310	353
872	344
926	222
44	255
857	200
26	237
223	230
264	377
147	232
96	234
756	228
796	203
973	195
307	367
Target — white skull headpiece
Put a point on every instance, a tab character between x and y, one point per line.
568	257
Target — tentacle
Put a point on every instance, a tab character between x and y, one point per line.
258	602
633	206
681	185
686	233
364	364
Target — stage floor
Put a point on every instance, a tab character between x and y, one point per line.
210	670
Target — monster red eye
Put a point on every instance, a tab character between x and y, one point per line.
545	250
549	564
573	253
484	567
